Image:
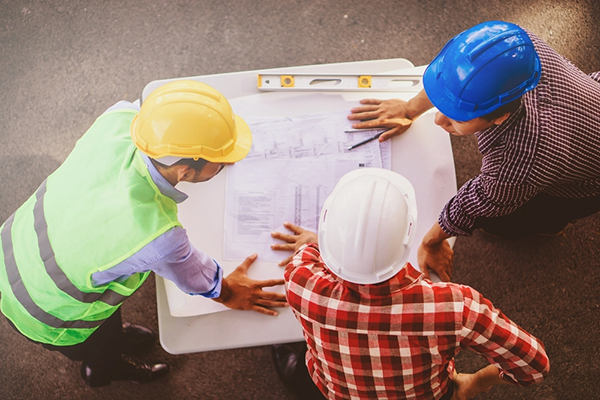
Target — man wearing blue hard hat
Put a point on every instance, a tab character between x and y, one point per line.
537	121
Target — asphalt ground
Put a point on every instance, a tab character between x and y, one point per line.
63	62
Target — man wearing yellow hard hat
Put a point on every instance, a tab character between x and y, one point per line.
95	229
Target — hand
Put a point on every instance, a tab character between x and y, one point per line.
300	237
391	114
239	292
462	383
467	386
437	257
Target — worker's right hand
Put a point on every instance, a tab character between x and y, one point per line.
437	257
467	386
462	386
391	114
239	292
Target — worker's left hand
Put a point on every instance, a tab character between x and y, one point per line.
294	241
373	113
239	292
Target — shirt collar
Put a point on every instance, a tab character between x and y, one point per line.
404	278
487	138
163	185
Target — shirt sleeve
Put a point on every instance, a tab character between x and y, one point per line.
595	76
307	256
519	356
173	257
192	270
482	196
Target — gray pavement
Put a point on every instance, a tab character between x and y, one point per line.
63	62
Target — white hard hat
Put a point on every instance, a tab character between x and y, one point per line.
367	225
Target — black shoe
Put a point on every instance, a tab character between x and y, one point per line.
136	338
289	364
285	359
126	370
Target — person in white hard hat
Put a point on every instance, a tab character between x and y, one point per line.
107	217
374	326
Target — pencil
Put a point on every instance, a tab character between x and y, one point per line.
367	140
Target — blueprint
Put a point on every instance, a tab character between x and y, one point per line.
293	166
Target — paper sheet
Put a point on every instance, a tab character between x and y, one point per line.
261	195
293	166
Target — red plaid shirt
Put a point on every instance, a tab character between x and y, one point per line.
397	339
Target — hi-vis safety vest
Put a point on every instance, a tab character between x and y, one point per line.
96	210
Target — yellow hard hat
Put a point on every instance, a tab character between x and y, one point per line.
189	119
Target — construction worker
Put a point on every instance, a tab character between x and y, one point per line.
107	217
374	326
537	123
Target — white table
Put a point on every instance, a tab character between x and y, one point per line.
423	155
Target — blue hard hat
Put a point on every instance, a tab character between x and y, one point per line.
481	69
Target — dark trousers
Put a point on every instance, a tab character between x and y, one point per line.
303	385
542	214
102	349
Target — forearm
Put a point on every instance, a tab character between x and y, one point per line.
434	236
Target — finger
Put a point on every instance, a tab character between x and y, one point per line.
389	134
374	123
360	111
263	310
294	228
371	101
366	115
286	261
282	246
271	303
269	283
444	277
279	297
284	236
247	262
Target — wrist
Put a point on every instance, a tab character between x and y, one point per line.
225	292
418	105
435	236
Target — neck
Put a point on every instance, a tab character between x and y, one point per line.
170	174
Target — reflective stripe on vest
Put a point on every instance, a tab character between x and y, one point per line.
16	283
58	276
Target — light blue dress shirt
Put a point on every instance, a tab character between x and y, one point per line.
170	255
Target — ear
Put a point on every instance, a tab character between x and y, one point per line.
184	173
501	119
